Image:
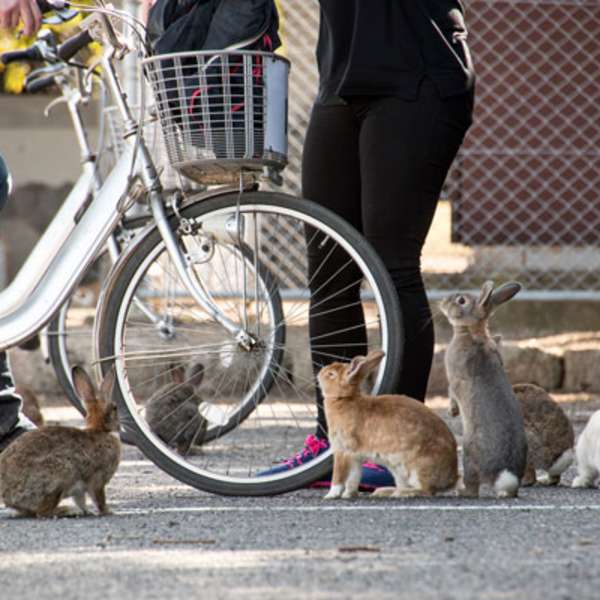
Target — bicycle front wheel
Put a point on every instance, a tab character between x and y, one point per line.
304	286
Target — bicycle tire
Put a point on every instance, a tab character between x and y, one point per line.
59	360
59	353
62	363
131	266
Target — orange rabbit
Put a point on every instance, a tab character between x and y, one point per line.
395	431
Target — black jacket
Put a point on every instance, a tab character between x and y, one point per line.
182	25
387	47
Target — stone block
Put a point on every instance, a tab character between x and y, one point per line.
522	364
582	370
30	369
532	365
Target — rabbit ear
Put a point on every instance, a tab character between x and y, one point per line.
353	371
361	366
373	359
504	293
108	384
486	293
196	374
177	374
83	385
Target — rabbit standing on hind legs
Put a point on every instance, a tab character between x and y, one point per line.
494	442
395	431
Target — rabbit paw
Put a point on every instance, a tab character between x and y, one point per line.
334	493
60	512
382	492
507	494
408	493
547	479
349	494
464	492
65	512
582	482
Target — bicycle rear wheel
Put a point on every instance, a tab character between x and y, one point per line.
259	401
70	333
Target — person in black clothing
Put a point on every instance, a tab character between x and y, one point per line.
12	420
394	103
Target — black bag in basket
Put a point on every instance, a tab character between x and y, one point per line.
210	100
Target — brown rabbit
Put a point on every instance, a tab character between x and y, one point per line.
31	405
42	467
550	436
395	431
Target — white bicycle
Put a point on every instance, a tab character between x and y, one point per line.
208	281
67	336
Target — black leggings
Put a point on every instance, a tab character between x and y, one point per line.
381	162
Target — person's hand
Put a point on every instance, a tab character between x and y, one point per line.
26	10
146	6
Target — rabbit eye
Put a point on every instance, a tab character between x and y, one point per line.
461	300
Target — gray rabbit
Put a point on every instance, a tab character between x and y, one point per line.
173	411
494	441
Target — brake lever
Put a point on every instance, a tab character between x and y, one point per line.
46	44
45	71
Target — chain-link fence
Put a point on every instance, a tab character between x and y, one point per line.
524	190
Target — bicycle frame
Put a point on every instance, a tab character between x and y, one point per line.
61	256
59	228
79	231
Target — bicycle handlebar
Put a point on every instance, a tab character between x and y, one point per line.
65	51
39	84
73	45
31	53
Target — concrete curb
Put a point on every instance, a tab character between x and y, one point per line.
565	363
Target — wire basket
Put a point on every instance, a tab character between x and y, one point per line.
221	112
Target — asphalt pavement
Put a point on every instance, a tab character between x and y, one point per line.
166	540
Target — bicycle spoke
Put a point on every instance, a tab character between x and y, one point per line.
259	394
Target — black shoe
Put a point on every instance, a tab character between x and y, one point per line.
11	436
127	436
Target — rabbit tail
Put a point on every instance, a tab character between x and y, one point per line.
506	485
562	463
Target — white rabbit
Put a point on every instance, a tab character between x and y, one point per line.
587	451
